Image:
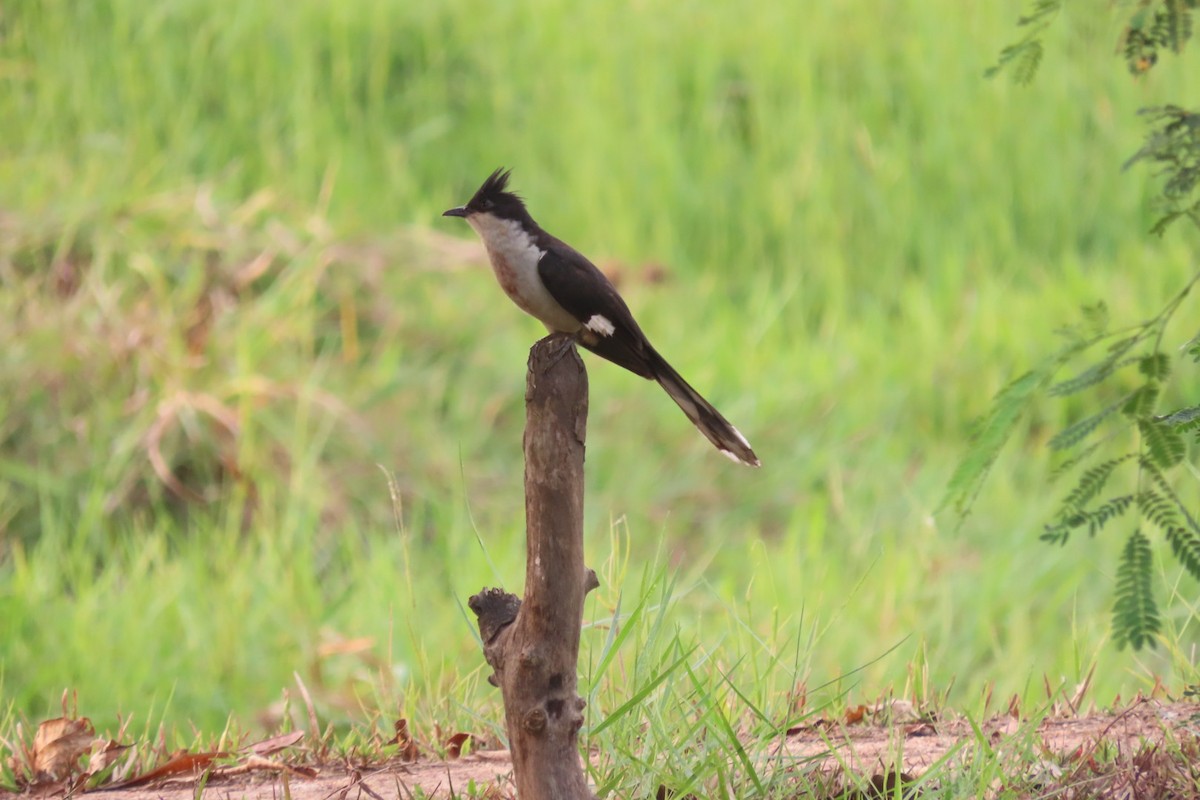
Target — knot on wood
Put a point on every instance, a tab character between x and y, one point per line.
535	720
590	581
496	609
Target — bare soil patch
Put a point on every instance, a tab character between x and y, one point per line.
1116	754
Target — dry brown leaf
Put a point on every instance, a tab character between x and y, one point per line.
408	748
256	763
58	745
886	784
180	763
801	697
855	714
454	744
104	753
275	743
920	729
822	724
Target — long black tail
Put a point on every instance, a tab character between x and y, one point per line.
716	428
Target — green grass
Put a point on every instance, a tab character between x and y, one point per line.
219	242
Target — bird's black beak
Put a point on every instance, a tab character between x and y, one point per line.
461	211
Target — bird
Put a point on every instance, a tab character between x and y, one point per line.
556	284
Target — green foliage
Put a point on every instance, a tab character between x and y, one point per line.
1162	506
1156	366
1025	56
1091	482
1075	433
1141	401
1094	518
989	439
1183	419
1146	487
1155	26
1173	147
1164	446
1135	615
1161	448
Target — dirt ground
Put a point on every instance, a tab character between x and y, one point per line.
880	754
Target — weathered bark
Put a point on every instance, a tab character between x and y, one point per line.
533	645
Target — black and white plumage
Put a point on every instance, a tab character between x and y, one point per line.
550	280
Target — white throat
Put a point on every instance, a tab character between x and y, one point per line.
506	237
514	256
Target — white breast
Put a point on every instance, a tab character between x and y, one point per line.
515	256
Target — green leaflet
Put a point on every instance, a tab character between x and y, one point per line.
995	430
1135	615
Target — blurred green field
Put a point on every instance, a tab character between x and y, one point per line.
221	264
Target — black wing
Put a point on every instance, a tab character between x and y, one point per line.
581	288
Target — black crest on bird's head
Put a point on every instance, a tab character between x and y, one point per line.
494	198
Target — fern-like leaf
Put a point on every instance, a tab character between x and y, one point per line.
1164	445
989	439
1096	317
1158	509
1074	461
1027	60
1173	25
1156	366
1074	434
1098	371
1173	146
1135	614
1141	401
1091	483
1160	226
1164	509
1186	546
1025	56
1095	519
1184	420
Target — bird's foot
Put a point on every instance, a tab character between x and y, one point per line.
564	344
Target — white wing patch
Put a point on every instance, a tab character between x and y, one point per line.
600	324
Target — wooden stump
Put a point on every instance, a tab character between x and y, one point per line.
533	645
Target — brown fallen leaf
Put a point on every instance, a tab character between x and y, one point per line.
256	763
822	724
855	715
454	744
887	784
58	745
104	753
180	763
920	729
408	748
274	744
